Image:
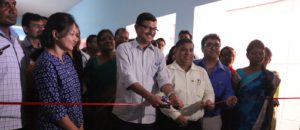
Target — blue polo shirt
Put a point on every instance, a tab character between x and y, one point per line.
220	78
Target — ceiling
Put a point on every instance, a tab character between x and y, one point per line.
44	7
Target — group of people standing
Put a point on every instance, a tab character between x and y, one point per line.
186	94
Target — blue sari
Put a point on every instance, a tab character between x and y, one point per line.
252	110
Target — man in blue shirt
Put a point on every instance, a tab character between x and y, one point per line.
220	78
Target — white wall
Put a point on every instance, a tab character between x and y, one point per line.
274	22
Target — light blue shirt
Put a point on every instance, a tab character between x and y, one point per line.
145	66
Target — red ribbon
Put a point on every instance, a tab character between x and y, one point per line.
100	103
283	98
70	104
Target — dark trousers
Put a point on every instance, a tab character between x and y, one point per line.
165	123
98	118
123	125
227	119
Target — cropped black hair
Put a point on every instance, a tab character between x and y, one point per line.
119	30
209	36
183	41
185	32
89	39
145	17
28	17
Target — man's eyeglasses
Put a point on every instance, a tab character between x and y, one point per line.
147	28
212	45
36	26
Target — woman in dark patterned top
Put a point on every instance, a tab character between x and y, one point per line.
55	78
101	74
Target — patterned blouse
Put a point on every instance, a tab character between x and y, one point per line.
57	81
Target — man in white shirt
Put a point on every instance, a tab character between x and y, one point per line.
192	85
141	74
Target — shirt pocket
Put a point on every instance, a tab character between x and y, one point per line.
220	89
199	87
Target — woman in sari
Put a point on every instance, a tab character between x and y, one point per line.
101	74
254	89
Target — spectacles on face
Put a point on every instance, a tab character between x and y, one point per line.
7	5
212	45
147	28
36	26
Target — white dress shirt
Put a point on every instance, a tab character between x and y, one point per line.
192	87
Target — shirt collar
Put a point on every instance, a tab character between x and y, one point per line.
27	42
137	45
176	66
218	66
13	34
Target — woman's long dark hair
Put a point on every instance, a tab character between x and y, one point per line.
61	22
170	55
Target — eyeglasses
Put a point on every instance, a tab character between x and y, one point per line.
147	28
36	26
212	45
